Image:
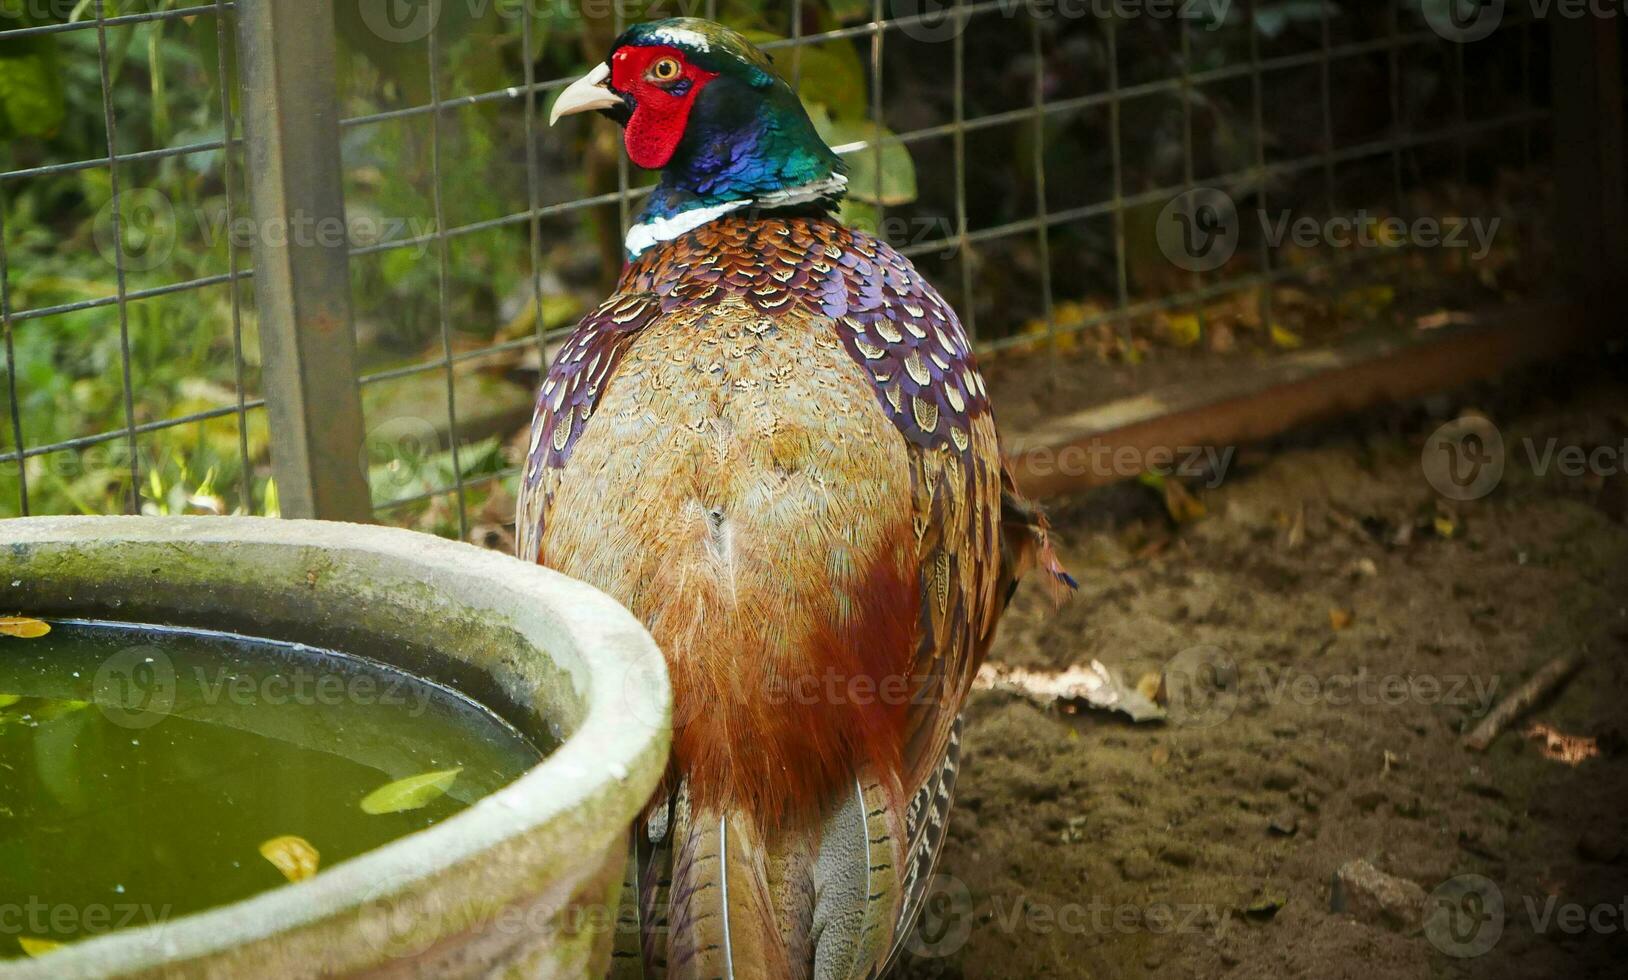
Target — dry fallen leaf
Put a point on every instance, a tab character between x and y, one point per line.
1184	508
1443	318
38	947
1573	750
1297	528
1284	337
23	627
1148	685
293	856
1362	568
1339	618
1092	685
1184	329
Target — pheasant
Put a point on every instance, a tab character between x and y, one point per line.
773	445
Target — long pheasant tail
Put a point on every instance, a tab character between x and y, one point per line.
721	920
1026	539
856	883
640	952
926	823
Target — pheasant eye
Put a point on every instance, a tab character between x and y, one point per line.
665	70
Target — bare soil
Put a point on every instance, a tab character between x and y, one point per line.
1366	624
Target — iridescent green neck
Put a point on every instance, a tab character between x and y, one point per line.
749	144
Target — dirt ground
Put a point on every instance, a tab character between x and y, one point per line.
1361	623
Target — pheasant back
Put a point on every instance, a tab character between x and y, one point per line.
773	445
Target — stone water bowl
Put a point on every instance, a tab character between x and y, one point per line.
523	883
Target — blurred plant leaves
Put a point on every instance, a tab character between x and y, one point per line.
31	102
898	183
829	76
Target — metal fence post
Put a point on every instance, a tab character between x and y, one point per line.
286	50
1591	185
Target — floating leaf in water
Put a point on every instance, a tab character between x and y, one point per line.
7	700
409	793
23	627
50	709
34	946
293	856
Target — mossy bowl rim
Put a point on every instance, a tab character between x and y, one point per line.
593	784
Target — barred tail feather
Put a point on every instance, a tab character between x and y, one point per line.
926	822
640	952
856	883
721	918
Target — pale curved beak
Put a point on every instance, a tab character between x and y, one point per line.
591	91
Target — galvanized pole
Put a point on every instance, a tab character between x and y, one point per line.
301	257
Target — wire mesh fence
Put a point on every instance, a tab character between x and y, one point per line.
1068	173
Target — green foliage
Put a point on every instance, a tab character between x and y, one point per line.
31	102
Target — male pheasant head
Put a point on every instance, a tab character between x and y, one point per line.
700	103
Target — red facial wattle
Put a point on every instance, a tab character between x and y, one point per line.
661	110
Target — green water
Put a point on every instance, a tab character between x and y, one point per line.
141	769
